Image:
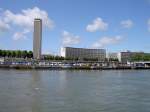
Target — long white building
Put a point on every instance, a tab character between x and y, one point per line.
81	53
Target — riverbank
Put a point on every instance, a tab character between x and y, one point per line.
68	68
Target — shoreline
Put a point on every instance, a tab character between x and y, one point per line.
27	67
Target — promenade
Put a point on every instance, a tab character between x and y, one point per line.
58	65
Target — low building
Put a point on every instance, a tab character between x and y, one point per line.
81	53
2	60
125	57
113	56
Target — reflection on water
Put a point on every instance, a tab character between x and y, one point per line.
74	91
35	83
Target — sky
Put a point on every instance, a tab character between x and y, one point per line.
115	25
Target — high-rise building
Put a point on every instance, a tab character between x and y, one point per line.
37	39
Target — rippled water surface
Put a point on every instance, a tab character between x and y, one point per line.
74	91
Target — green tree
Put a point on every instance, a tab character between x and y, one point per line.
24	54
0	52
3	53
141	57
8	53
13	53
30	54
18	54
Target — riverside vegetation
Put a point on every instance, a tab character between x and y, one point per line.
29	54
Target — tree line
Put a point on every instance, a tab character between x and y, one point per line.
141	57
51	57
16	53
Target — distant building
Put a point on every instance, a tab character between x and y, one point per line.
112	55
37	39
2	60
81	53
125	57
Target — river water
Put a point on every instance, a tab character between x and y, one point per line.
74	91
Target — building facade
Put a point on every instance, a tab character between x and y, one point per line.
125	57
81	53
112	56
37	39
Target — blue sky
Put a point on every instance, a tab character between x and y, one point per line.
115	25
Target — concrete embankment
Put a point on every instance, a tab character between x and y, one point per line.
68	68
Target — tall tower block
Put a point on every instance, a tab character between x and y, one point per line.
37	38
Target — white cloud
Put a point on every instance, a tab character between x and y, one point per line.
97	24
69	39
19	36
105	41
126	23
4	26
25	18
46	52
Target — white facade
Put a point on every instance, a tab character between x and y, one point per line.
112	55
81	53
2	60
